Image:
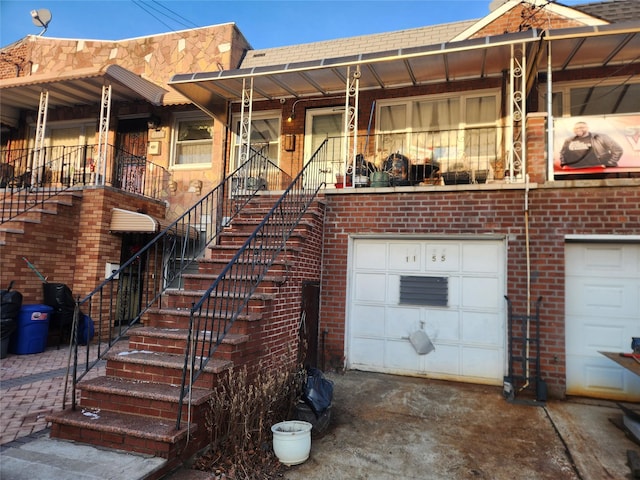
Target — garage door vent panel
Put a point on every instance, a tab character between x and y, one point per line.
431	291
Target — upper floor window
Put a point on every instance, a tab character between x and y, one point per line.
457	132
265	136
605	99
193	141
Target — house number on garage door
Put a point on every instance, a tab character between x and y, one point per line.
443	256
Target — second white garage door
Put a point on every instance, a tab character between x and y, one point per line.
452	289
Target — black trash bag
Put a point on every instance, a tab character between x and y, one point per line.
59	297
7	327
10	303
318	391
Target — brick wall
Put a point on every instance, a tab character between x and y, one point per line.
555	211
279	336
69	245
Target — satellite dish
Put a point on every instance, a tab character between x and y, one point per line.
41	18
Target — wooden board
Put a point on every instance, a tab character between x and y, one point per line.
629	363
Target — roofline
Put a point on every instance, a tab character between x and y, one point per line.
532	35
510	4
154	35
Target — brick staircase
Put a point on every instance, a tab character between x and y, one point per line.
36	215
134	407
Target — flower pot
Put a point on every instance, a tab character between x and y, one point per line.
292	441
379	179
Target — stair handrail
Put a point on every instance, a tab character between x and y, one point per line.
159	264
251	262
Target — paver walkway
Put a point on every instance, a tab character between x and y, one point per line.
32	386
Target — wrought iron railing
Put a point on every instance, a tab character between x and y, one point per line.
468	155
212	316
29	177
137	285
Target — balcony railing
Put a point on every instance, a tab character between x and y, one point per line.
29	177
470	155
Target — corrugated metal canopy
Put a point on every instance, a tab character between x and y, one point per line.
80	87
470	59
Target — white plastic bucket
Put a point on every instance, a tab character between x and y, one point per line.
292	441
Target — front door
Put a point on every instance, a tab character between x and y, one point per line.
131	153
322	124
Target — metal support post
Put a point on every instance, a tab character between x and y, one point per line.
350	143
103	136
517	140
245	126
37	169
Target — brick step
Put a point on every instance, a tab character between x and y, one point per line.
138	398
246	226
184	299
236	236
169	340
135	433
227	252
155	367
179	319
215	264
202	281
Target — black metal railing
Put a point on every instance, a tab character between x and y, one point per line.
119	302
30	177
212	316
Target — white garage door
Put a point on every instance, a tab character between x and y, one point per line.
602	314
464	318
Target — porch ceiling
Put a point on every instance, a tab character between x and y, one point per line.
469	59
80	87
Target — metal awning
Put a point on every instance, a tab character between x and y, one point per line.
462	60
593	46
127	221
409	67
80	87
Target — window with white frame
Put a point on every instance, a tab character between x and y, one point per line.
265	136
192	141
458	132
607	98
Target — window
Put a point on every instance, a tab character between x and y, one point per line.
265	136
604	99
193	141
450	130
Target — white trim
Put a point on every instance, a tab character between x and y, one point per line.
561	10
602	238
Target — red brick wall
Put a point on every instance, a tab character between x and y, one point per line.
525	17
279	336
70	246
555	211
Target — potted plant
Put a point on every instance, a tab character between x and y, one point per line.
457	175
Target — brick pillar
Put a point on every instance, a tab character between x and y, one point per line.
537	147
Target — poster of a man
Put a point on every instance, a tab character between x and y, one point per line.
596	144
586	149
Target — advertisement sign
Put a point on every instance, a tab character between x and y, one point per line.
596	144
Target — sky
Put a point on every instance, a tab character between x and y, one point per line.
264	23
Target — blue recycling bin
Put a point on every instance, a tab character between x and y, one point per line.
32	330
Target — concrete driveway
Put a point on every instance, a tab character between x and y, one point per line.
391	427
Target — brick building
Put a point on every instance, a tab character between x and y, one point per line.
483	199
445	186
